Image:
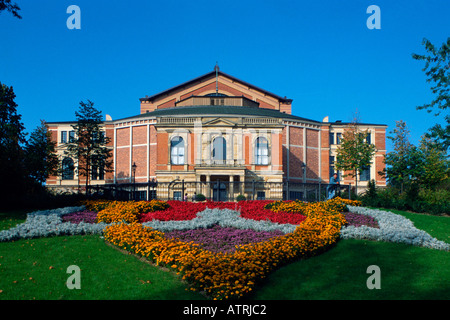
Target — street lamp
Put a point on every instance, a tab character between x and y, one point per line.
133	167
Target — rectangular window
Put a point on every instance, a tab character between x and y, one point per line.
331	138
338	138
262	156
365	174
71	136
177	195
97	173
331	163
369	138
141	195
152	195
177	156
63	136
295	195
94	173
177	150
261	195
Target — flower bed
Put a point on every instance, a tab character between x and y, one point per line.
224	249
230	275
127	211
392	228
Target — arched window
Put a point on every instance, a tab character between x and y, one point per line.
262	151
67	169
177	150
219	152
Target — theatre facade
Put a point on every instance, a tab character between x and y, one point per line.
222	137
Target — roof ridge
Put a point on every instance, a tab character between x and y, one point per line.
213	74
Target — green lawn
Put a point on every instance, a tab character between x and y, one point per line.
37	269
341	273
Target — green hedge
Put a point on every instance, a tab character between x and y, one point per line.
417	200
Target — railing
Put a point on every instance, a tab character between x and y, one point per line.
221	163
261	121
176	120
218	190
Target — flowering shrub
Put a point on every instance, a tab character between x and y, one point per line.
47	223
336	204
98	205
127	211
79	216
183	210
358	220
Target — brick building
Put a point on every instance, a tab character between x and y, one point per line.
217	128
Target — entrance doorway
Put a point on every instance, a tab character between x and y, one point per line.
220	192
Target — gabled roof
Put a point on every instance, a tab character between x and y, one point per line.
219	111
210	75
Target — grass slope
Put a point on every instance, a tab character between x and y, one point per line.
37	269
407	272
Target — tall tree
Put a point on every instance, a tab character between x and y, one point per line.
400	162
89	145
12	138
354	154
437	70
40	156
435	167
11	7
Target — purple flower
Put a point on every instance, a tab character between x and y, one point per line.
222	239
357	220
77	217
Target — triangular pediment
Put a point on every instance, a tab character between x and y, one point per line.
219	122
215	83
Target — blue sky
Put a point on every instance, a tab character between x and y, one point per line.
318	53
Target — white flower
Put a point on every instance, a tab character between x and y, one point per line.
47	223
393	228
223	217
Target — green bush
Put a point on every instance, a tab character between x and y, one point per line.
200	197
414	199
241	197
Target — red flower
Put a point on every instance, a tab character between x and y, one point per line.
253	209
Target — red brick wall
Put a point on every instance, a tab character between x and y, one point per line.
163	152
123	137
139	156
140	135
123	163
295	162
295	152
212	86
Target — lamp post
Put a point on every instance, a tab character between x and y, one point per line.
133	167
